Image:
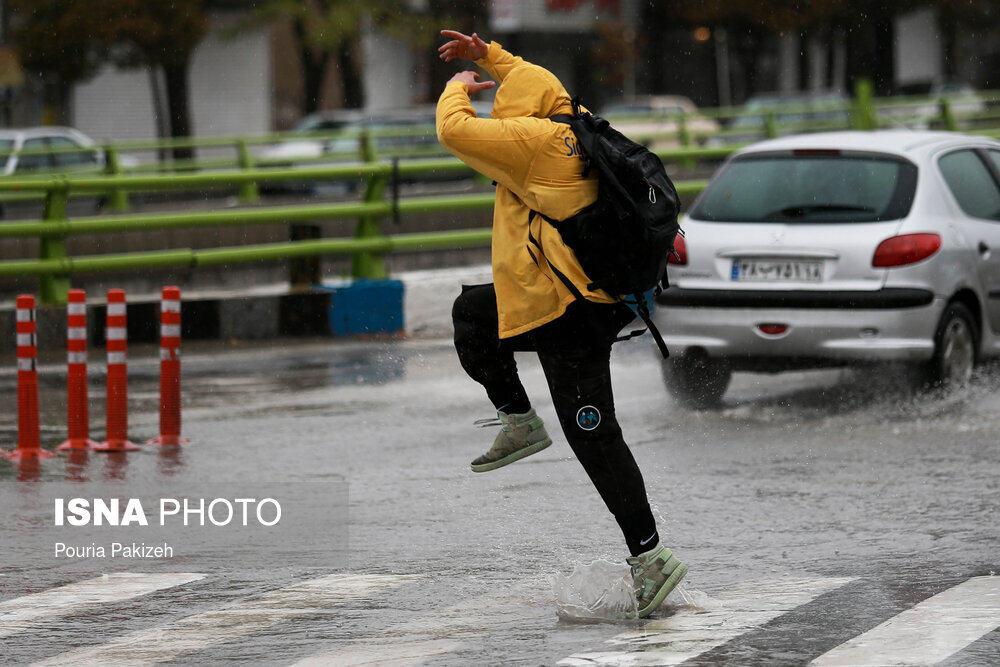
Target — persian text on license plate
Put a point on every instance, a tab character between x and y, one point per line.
776	270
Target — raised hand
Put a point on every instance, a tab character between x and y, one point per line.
462	46
470	79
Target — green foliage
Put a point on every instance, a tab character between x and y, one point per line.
156	33
72	39
67	39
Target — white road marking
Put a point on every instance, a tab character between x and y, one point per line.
688	633
233	621
385	654
31	611
438	632
928	632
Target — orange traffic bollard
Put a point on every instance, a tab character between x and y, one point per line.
78	409
170	370
28	432
117	380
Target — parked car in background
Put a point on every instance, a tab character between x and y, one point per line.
834	249
394	133
654	120
334	137
919	104
27	151
791	113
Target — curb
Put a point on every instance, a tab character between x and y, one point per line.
412	304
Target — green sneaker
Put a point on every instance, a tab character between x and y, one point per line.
654	575
520	435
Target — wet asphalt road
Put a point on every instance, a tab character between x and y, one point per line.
841	477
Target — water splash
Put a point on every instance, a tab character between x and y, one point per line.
600	591
693	599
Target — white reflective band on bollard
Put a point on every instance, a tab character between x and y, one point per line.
76	309
116	309
24	315
170	330
170	354
24	364
26	340
76	357
170	306
116	333
116	357
76	333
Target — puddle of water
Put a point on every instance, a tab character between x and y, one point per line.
600	591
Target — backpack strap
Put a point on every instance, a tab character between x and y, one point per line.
642	310
641	306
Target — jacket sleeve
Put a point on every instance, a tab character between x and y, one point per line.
498	62
502	150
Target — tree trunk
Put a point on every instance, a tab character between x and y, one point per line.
867	55
178	108
313	70
350	75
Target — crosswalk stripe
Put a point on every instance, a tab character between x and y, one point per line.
927	633
688	633
441	631
233	621
410	653
28	612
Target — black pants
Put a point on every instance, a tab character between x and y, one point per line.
574	352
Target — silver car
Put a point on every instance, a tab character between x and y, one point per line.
839	248
70	149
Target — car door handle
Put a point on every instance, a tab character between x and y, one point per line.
984	249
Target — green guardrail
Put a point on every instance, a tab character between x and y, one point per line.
54	266
246	172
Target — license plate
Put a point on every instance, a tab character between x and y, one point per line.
776	270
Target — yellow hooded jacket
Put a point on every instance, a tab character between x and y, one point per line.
537	166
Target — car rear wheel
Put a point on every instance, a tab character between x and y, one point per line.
696	381
954	349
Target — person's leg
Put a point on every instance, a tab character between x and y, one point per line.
575	355
484	357
490	362
580	383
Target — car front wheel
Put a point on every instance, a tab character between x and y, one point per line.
696	381
954	349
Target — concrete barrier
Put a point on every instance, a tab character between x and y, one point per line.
412	304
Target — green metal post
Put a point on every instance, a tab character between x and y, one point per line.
248	191
369	264
684	136
770	125
117	197
948	116
53	289
864	107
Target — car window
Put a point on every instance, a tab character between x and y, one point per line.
995	158
70	159
6	149
970	180
34	161
809	187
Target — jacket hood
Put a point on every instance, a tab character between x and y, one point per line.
530	90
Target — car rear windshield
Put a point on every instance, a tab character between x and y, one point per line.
809	187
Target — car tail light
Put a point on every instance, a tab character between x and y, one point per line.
680	253
773	329
906	249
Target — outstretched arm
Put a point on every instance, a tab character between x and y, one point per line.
462	46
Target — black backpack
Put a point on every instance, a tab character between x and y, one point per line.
623	239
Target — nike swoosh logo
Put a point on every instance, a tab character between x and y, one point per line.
647	540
